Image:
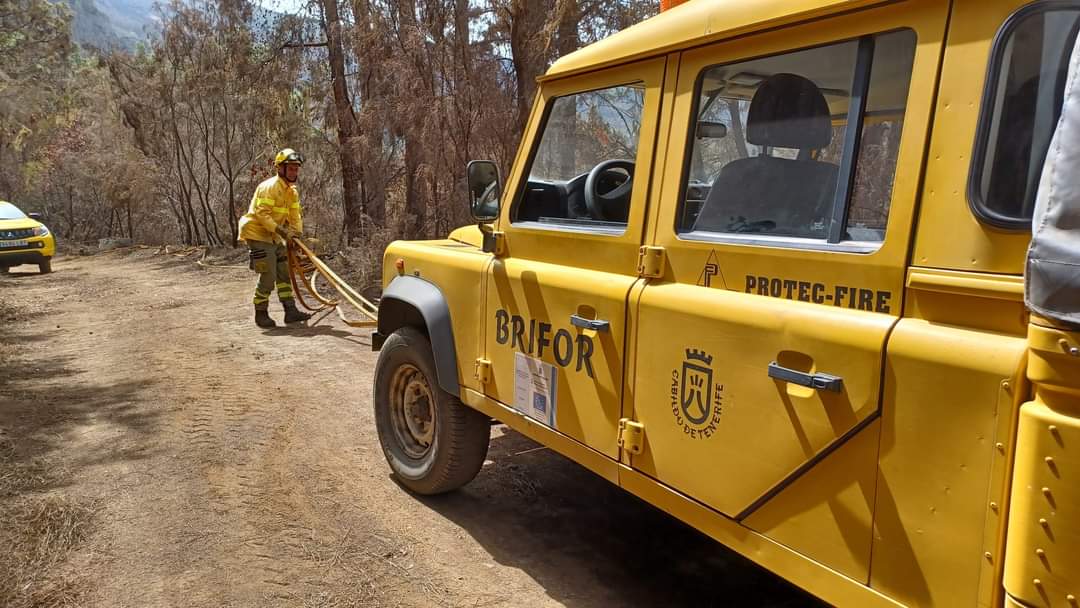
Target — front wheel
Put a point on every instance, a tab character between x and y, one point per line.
433	442
45	267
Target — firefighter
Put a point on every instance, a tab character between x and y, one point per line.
271	220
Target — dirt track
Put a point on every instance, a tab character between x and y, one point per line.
233	466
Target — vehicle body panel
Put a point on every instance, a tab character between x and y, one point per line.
448	263
793	427
950	236
533	292
943	403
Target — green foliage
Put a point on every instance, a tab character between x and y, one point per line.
35	82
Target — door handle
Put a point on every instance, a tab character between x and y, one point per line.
593	324
818	381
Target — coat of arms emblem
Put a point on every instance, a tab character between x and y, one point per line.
695	397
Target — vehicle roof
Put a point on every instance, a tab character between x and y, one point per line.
694	23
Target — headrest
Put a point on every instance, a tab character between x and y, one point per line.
789	111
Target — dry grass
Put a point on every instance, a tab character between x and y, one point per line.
40	533
226	256
38	529
37	533
368	571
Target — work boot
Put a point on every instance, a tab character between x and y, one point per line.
262	318
292	315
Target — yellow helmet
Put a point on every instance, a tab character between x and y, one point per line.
288	156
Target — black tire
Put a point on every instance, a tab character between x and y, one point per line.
4	270
431	447
45	267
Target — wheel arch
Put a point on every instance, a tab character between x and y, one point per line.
412	301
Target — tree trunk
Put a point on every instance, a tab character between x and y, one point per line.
567	40
346	128
408	127
230	174
525	25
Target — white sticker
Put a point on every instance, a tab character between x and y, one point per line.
534	388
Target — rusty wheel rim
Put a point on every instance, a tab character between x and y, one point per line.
412	411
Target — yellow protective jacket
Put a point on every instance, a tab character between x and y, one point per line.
276	202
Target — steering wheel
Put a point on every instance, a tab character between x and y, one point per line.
613	204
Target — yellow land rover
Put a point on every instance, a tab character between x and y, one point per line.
762	264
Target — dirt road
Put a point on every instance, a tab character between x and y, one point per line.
232	466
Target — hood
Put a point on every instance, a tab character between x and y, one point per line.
20	223
469	235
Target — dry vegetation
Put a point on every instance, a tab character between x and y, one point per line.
39	534
40	526
387	100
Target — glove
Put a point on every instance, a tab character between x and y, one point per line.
286	233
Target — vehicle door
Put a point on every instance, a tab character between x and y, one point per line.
556	299
785	221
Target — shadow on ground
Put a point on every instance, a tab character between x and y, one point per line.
311	330
27	275
47	400
584	523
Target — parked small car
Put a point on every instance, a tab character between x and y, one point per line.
24	240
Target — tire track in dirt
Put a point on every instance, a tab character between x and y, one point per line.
235	429
216	437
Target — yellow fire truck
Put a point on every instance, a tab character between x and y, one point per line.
763	264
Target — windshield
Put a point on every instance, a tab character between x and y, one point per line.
10	212
587	128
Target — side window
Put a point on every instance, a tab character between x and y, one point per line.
1020	109
771	155
582	172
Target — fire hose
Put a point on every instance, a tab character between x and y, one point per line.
305	267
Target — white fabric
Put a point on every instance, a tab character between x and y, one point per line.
1052	285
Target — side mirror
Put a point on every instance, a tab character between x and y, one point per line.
34	215
484	190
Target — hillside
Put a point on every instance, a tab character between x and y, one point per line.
108	24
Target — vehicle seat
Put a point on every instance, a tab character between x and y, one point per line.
777	195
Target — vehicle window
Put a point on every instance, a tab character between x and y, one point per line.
1021	107
582	171
771	155
10	212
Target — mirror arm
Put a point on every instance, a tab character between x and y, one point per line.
494	240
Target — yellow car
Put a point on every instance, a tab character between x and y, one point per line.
24	240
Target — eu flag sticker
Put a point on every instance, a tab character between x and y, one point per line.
540	403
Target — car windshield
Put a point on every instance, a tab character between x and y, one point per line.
10	212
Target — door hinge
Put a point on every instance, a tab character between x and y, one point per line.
483	371
494	242
631	435
650	262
